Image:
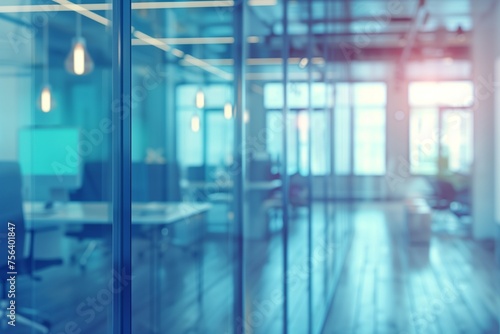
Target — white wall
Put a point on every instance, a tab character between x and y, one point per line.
497	132
484	53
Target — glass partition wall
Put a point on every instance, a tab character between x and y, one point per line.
55	169
179	164
182	168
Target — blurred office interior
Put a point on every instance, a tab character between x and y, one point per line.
256	166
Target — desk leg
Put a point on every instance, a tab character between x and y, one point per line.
157	255
200	266
155	281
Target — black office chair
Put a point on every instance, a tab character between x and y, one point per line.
11	210
444	195
196	173
440	202
94	189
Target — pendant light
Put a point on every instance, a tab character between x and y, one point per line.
200	99
200	104
228	107
228	111
79	61
46	94
195	123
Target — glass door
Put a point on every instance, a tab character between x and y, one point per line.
183	170
456	140
55	168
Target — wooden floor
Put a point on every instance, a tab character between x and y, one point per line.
385	287
390	287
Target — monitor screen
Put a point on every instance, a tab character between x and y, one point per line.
50	160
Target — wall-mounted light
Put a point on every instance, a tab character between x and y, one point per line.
200	99
79	61
195	123
228	111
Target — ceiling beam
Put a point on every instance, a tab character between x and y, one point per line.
419	21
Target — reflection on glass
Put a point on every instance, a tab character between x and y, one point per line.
360	129
182	170
424	141
456	141
369	141
55	173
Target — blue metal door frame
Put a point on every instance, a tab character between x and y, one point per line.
121	162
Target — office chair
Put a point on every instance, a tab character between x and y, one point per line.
95	176
444	195
196	173
148	184
11	210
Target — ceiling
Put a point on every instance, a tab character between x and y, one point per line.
199	34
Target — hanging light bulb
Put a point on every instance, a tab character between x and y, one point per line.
303	63
302	121
200	99
46	93
303	125
79	61
46	99
246	116
195	123
228	111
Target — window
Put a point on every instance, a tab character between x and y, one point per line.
364	105
219	139
297	127
188	141
369	141
211	142
275	126
342	140
359	129
423	141
440	127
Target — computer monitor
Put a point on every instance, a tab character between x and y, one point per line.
51	162
260	167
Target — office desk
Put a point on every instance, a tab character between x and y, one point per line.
228	186
257	192
154	215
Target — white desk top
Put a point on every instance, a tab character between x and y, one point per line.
154	213
247	185
262	185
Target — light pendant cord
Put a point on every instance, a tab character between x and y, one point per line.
78	24
46	53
